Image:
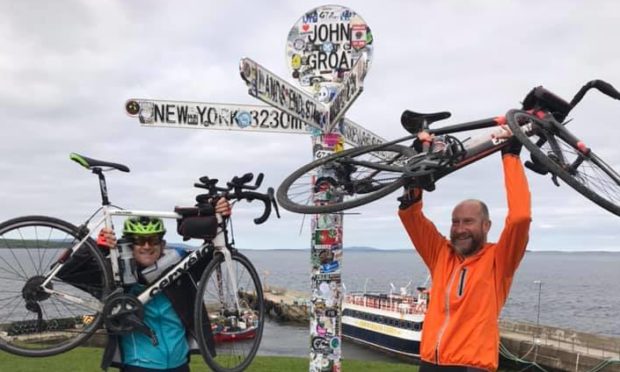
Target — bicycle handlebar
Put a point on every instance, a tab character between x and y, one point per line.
236	189
601	85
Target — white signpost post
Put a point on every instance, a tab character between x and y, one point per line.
329	51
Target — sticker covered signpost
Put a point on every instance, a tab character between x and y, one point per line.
328	52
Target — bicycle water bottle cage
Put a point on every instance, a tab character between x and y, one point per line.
414	122
90	163
542	99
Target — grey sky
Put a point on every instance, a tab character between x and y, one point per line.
67	68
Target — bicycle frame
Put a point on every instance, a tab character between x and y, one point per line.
219	244
475	148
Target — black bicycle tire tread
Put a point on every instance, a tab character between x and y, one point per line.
554	168
289	205
98	321
218	258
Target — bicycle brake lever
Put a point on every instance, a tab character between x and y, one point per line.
273	201
554	178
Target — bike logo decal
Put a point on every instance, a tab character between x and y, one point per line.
179	270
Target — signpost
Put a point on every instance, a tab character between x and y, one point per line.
328	52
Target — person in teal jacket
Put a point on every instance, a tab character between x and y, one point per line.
169	314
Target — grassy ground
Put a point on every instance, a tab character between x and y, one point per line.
88	359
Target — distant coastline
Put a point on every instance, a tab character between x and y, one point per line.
382	250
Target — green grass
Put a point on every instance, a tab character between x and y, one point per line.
88	360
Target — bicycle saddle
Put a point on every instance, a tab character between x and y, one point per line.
90	163
414	122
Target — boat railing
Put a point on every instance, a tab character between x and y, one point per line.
400	304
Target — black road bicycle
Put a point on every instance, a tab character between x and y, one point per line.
361	175
57	287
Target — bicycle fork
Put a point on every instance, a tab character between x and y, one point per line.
220	246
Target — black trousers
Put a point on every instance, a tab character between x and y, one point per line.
183	368
430	367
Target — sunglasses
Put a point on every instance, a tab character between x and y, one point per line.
152	240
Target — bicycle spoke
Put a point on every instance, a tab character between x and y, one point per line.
17	303
237	324
345	180
50	321
11	272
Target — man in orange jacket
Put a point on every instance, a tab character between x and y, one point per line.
471	278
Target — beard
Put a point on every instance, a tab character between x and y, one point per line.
466	244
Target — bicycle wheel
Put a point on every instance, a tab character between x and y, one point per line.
587	174
236	330
38	323
344	180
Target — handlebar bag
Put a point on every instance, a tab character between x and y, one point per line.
540	97
197	222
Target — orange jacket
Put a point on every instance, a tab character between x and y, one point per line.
461	323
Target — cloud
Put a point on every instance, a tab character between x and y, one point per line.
64	80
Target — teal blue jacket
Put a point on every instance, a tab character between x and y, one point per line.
172	350
170	314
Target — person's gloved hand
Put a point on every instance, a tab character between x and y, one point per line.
106	238
411	195
514	145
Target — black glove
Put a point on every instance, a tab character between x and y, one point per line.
411	195
513	147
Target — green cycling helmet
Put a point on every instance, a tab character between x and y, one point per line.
143	226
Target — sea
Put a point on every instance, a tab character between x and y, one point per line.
573	290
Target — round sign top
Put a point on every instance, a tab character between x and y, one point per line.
323	45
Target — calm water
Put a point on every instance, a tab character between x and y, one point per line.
579	291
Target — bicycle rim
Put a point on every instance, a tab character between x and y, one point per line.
587	174
344	180
236	331
32	321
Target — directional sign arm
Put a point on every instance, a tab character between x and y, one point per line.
271	89
349	90
178	114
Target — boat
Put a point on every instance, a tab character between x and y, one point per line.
234	335
388	322
232	328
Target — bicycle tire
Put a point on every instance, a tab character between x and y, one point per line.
34	323
593	178
236	337
381	183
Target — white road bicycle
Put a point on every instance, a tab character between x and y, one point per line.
57	287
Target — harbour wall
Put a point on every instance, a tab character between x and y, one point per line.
552	348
